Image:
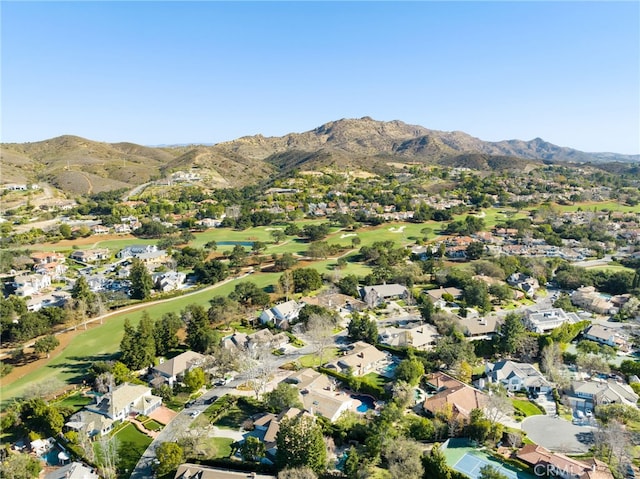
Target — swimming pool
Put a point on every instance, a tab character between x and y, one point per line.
366	402
389	370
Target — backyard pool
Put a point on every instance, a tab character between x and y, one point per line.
366	402
389	370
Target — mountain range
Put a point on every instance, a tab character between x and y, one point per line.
77	165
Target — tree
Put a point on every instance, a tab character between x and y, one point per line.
410	371
286	284
20	466
320	330
248	293
361	328
403	458
46	344
592	363
502	292
170	455
278	235
141	281
349	285
282	397
166	333
352	463
222	310
211	272
300	443
284	262
489	472
194	379
201	337
498	405
81	289
237	257
512	332
474	250
435	464
252	449
297	473
318	249
306	279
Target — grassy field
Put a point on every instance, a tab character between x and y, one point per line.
131	446
312	360
599	206
526	408
75	401
102	342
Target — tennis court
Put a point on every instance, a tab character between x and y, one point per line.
468	460
471	463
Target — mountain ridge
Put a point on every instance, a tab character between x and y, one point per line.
68	161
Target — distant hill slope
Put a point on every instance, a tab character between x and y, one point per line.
77	165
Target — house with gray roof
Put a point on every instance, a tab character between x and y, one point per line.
379	293
74	470
173	370
90	423
124	400
517	376
548	319
361	359
597	392
281	315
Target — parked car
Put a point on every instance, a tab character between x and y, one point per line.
195	413
190	403
211	400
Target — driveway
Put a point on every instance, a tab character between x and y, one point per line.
558	435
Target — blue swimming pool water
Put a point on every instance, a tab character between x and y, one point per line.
367	402
51	456
247	244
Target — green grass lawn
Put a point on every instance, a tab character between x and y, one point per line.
103	342
237	414
152	425
75	401
527	408
375	379
222	446
312	360
131	446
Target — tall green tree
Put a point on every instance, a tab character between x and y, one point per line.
512	333
141	281
283	396
170	455
201	337
300	443
165	333
46	344
194	379
361	328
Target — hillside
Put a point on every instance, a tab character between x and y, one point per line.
76	165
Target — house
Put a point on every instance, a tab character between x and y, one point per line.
524	282
169	281
436	295
335	301
550	464
45	257
606	335
90	423
134	251
454	394
421	337
268	426
58	298
319	395
478	327
54	270
594	392
361	359
99	230
124	400
172	370
90	255
589	299
152	258
122	228
517	376
548	319
261	338
196	471
281	315
30	284
376	295
74	470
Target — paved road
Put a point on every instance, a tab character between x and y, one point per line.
558	435
180	424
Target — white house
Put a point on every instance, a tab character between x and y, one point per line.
363	358
421	336
605	335
30	284
517	376
548	319
124	400
134	251
319	394
281	315
169	281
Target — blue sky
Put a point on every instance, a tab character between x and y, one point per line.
205	72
